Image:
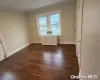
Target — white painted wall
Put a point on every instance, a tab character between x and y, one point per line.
90	56
14	31
68	21
18	29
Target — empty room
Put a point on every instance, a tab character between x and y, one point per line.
49	39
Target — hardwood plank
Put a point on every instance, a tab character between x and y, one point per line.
37	62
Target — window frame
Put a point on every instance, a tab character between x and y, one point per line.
47	15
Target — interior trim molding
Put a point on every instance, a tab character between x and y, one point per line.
37	42
80	74
18	49
61	42
67	42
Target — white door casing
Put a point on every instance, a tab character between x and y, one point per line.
79	20
1	52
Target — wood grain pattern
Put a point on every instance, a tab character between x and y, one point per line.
37	62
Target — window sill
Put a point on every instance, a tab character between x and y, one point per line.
51	35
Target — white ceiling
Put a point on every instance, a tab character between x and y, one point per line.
26	5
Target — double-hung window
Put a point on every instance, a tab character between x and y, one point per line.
49	24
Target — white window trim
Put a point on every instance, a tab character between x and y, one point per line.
48	14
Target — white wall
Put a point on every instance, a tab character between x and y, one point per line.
68	21
14	30
17	29
90	56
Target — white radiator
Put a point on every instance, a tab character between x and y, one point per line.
49	40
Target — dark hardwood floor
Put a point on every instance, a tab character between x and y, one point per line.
37	62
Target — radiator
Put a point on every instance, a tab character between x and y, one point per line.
49	40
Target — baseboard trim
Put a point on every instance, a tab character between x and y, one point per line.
18	49
67	42
37	42
61	42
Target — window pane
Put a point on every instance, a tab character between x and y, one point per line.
54	19
42	21
43	25
55	25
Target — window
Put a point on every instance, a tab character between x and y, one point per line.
49	24
43	25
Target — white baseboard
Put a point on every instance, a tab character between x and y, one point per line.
67	42
36	42
61	42
18	49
